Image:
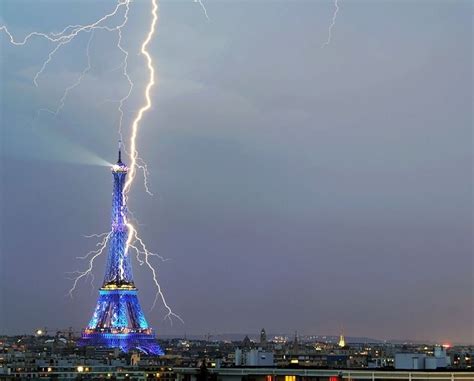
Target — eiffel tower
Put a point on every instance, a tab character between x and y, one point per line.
118	320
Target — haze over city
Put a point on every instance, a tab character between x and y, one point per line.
294	187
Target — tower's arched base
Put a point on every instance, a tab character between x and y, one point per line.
142	342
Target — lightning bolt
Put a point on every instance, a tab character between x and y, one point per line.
136	243
331	26
62	101
129	81
151	82
203	7
66	36
137	163
118	28
92	256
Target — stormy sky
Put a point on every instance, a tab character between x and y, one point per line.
295	187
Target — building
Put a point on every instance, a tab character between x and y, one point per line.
342	341
253	357
418	361
263	338
412	361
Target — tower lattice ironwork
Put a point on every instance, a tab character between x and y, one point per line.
118	320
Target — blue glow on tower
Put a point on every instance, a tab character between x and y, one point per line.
118	320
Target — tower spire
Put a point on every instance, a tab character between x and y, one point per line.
342	339
119	152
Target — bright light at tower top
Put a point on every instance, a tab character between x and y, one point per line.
119	166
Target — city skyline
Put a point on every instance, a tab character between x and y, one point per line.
295	187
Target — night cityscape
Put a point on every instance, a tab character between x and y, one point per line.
236	191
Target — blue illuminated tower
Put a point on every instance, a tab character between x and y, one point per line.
118	320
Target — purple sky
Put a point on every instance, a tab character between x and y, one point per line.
295	188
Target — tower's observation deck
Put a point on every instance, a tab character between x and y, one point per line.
118	320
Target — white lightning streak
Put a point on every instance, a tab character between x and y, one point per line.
203	8
333	22
50	57
76	29
96	235
100	244
125	74
138	252
88	67
151	82
78	81
134	238
88	271
143	166
63	38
